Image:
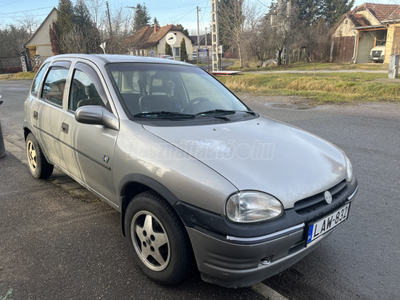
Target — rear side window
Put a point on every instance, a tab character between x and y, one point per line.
54	85
38	79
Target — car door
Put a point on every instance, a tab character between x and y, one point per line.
48	111
91	147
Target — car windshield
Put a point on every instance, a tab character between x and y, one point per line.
171	91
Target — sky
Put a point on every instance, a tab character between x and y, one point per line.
167	12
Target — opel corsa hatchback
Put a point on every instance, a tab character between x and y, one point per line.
196	175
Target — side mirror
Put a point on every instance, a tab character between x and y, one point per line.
96	115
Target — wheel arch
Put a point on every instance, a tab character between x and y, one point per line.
134	184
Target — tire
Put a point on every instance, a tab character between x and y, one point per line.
38	164
158	239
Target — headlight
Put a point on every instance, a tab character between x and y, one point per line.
349	168
249	206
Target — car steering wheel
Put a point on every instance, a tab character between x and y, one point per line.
189	108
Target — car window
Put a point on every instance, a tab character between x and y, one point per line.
38	79
170	88
54	85
86	88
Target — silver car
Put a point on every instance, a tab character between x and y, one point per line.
197	176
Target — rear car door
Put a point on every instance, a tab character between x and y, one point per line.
90	147
48	111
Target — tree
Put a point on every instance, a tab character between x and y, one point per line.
54	39
309	11
142	17
168	49
155	22
184	55
185	31
241	17
333	10
12	38
29	22
65	19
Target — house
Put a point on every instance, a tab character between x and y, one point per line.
150	41
39	43
365	27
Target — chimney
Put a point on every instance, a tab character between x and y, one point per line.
155	28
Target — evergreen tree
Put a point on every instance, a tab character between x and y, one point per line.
64	23
168	49
309	11
332	10
155	22
65	16
54	39
142	17
184	56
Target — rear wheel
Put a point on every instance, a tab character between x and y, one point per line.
158	239
38	164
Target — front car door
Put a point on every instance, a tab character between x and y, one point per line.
90	147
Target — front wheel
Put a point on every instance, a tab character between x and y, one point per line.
158	239
38	164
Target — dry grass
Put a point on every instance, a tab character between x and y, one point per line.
334	87
16	76
252	66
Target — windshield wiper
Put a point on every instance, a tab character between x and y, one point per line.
216	112
163	115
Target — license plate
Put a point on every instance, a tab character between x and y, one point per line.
327	223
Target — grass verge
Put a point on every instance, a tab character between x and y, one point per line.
252	66
323	88
16	76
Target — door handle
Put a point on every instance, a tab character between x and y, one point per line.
64	127
35	114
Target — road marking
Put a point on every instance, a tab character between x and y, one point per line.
267	292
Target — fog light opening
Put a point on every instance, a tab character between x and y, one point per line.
265	261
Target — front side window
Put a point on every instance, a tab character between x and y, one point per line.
54	85
38	79
86	88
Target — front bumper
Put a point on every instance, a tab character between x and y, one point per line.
232	261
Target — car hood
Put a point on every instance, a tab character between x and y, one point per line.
263	155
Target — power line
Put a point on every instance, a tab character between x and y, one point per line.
22	11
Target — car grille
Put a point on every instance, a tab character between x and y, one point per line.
376	53
317	202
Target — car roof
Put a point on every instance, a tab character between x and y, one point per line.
102	59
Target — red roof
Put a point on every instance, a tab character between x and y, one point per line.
394	16
359	20
380	11
146	36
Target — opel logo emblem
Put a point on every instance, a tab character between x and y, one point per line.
328	197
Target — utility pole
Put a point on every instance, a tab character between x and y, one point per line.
198	35
134	10
109	19
216	63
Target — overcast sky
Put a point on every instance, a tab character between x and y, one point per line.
167	12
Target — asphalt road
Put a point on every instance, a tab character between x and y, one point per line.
56	246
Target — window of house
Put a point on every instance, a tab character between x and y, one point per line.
177	52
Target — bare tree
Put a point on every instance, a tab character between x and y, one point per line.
82	40
241	18
97	11
28	22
